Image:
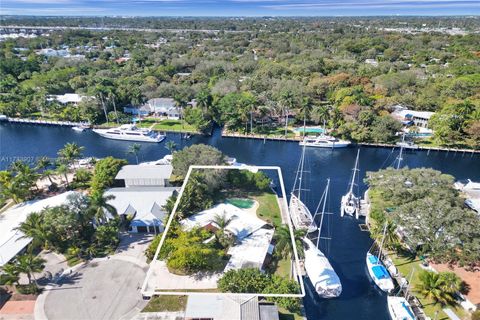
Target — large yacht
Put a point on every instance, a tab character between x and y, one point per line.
130	132
324	141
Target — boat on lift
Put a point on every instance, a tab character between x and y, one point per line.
130	132
300	215
350	203
319	270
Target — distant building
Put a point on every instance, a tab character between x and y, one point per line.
165	107
145	175
411	117
471	190
372	62
68	98
144	205
138	111
211	307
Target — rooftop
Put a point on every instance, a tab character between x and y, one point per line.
145	172
222	307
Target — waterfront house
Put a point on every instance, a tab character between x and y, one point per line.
145	175
68	98
12	240
471	191
137	111
411	117
164	107
143	206
222	307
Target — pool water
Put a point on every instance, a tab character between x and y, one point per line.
241	203
310	130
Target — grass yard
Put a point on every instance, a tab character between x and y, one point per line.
167	125
268	208
284	314
283	267
405	266
166	303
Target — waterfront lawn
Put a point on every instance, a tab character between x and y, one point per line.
166	125
268	208
166	303
405	264
274	131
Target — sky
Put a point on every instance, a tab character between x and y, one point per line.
239	7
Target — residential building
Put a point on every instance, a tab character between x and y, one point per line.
223	307
12	240
164	107
69	98
137	111
145	175
471	191
411	117
372	62
143	206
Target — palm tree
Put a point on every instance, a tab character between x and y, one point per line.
305	109
321	113
99	206
135	150
63	170
452	282
29	264
283	242
70	152
11	275
42	164
170	145
391	240
432	286
204	100
288	101
33	227
221	220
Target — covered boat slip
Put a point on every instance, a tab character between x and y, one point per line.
320	272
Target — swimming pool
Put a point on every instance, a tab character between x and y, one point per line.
242	203
310	130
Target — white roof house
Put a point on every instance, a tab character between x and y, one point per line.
164	106
11	240
407	116
68	98
145	175
144	204
243	223
472	193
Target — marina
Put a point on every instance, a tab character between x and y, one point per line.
347	256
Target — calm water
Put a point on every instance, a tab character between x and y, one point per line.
347	249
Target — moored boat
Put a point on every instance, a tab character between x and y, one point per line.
130	132
320	272
399	308
80	128
324	141
350	203
379	273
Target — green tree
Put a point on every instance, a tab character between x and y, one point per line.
170	145
135	150
432	286
34	227
99	207
29	264
70	152
104	173
247	280
283	242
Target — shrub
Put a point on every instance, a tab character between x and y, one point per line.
152	247
249	280
28	288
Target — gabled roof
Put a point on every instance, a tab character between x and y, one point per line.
223	307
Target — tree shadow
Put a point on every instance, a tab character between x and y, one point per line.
127	239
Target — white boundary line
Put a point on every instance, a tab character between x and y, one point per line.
146	293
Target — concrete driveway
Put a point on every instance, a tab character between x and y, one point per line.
107	288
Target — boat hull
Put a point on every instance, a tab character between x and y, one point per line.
122	137
325	145
379	273
349	205
299	214
399	309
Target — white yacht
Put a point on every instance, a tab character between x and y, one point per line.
324	141
167	160
130	132
399	308
320	272
80	128
350	203
299	213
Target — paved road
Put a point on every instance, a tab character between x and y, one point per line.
107	289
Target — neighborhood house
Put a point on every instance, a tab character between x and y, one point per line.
411	117
161	107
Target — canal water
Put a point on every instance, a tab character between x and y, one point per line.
348	244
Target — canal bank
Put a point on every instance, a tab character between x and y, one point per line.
360	299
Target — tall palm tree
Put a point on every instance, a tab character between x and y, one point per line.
305	109
135	150
283	242
170	145
42	164
221	220
99	206
204	100
432	286
11	275
34	228
391	240
288	101
451	282
29	264
70	152
322	113
63	170
111	97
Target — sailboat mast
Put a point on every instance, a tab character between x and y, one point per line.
401	152
325	195
354	173
300	174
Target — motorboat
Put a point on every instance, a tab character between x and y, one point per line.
167	160
320	272
324	141
399	308
408	145
300	215
350	203
80	128
130	132
379	273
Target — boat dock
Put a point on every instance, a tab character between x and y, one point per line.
47	122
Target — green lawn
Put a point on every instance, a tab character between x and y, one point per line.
287	315
283	267
268	208
166	303
405	265
167	125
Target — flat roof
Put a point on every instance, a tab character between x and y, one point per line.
12	241
145	172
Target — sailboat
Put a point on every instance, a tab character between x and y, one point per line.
350	203
398	307
377	270
299	213
319	270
